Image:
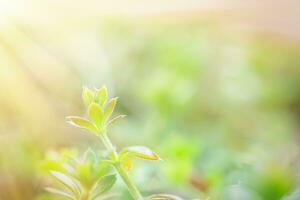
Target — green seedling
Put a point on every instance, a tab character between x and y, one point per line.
88	177
79	186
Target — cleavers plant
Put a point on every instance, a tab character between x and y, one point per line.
99	111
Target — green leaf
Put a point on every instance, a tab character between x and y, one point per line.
110	196
68	168
108	162
73	162
115	120
140	152
96	114
83	171
81	123
104	184
60	192
101	96
110	107
163	197
87	96
69	182
89	156
104	167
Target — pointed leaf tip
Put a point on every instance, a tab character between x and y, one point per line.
87	96
101	96
140	152
110	108
115	120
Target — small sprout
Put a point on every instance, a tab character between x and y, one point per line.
82	176
140	152
89	178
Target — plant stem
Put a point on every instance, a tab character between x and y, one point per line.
133	190
131	186
109	146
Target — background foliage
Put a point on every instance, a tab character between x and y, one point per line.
221	106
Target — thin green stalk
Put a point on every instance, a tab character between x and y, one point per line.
133	190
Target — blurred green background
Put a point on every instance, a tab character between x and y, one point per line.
217	98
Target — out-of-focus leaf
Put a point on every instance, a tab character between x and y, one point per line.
87	96
163	197
103	168
81	123
108	162
104	184
60	192
56	161
73	161
101	96
109	197
114	120
68	168
83	171
90	155
140	152
96	114
110	108
69	182
274	183
48	164
237	192
293	196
